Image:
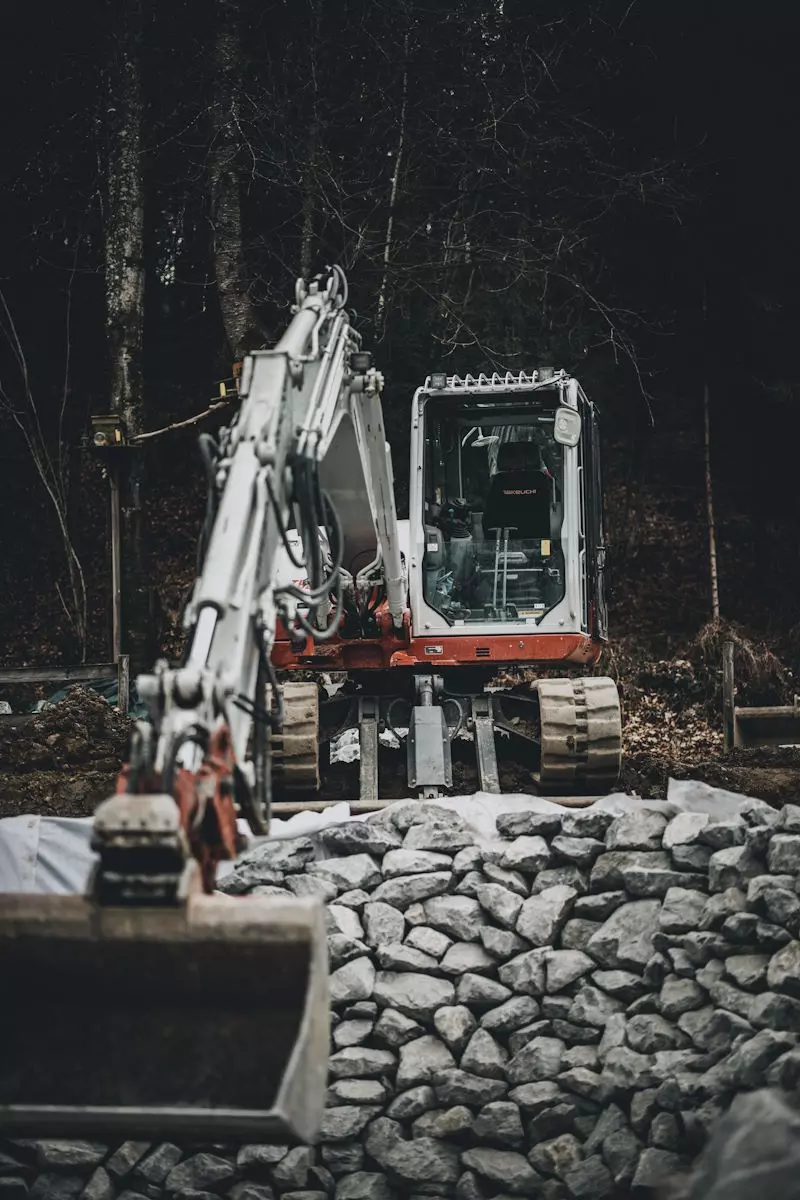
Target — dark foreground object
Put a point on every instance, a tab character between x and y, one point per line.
168	1022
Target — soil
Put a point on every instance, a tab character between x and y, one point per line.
65	760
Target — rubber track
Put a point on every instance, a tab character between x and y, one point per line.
295	747
581	733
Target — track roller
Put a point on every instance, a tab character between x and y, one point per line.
295	746
581	734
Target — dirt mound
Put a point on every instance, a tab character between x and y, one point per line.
64	760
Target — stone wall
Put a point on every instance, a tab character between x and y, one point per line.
561	1013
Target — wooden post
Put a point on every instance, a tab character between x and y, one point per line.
728	717
116	564
123	684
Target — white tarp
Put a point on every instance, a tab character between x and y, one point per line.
52	854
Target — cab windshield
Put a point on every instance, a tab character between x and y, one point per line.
493	512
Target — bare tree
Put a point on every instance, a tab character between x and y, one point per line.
46	451
228	143
712	525
395	183
125	276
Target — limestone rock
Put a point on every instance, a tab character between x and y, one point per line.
200	1173
731	868
499	1124
418	996
455	1025
346	1121
587	822
460	1087
429	941
511	1015
400	957
648	1033
598	906
355	837
526	854
466	956
783	856
625	940
354	871
423	1160
394	1029
480	992
557	1156
577	932
502	944
125	1158
656	1167
515	881
528	824
484	1056
525	974
684	829
591	1006
505	1168
413	1103
56	1155
408	890
564	875
682	910
622	985
383	924
342	1160
783	972
642	829
156	1166
458	916
539	1060
360	1062
413	862
443	1123
422	1061
357	1091
610	869
564	967
501	903
342	950
354	981
678	996
363	1185
542	916
431	835
352	1033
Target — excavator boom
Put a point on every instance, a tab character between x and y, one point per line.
152	1006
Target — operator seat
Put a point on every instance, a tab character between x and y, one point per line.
519	494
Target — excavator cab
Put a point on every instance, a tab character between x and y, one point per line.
517	581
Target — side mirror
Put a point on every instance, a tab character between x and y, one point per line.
567	427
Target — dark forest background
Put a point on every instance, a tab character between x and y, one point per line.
609	186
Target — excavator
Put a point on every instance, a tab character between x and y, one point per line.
156	1007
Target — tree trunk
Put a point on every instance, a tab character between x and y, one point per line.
712	528
125	313
243	329
380	310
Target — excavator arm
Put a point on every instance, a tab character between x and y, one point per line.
152	1006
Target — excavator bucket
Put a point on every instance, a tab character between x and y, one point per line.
776	726
204	1021
751	728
